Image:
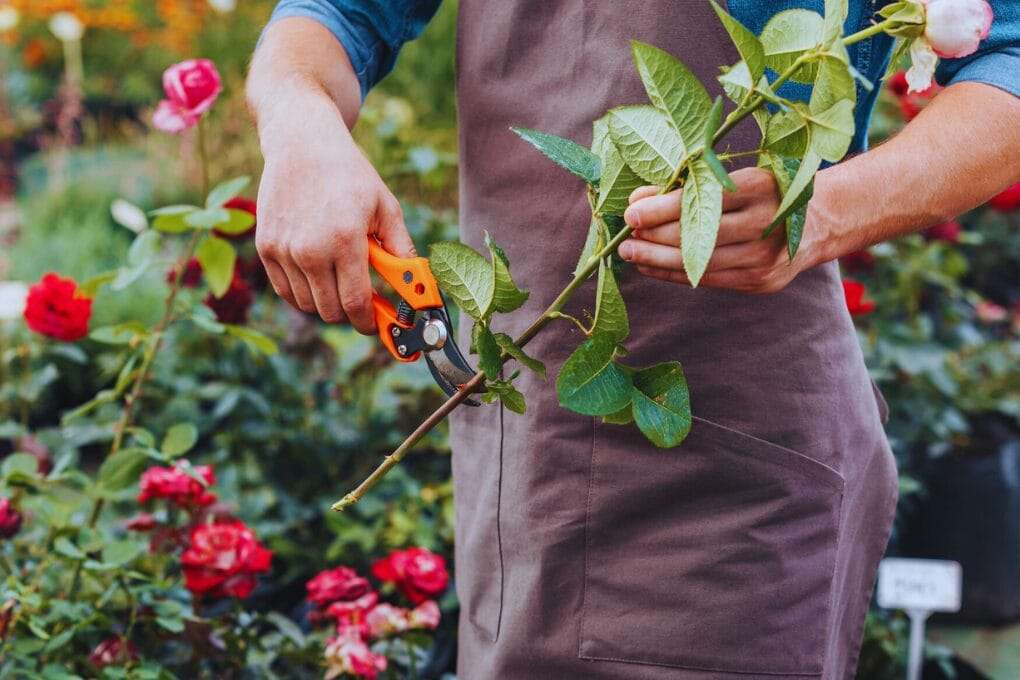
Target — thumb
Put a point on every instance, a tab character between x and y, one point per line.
390	227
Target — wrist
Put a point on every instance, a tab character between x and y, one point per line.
828	230
298	117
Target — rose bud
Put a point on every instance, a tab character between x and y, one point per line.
10	519
955	28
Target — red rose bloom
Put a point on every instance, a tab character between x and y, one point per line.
1008	200
239	203
173	484
223	559
947	232
10	519
420	574
113	651
143	521
55	309
910	103
342	583
191	276
233	307
855	302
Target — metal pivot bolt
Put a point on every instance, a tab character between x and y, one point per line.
402	349
434	334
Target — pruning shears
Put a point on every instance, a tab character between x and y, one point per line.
420	323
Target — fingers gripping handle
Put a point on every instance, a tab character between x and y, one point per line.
410	277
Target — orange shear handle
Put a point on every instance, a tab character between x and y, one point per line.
412	279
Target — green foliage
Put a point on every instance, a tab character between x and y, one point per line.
591	382
566	153
661	405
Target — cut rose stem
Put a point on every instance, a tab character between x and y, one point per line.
749	104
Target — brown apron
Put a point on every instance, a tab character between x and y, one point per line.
583	551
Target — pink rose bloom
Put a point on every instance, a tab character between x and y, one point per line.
191	88
347	653
418	573
113	651
955	28
425	615
386	619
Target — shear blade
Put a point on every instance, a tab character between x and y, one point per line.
448	366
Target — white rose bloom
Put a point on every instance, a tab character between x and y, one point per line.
67	27
12	299
129	215
955	28
223	6
923	61
8	18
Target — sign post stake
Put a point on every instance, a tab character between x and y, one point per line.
915	656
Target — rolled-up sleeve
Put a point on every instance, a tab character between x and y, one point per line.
371	31
997	61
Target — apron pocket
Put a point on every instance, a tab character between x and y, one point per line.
717	555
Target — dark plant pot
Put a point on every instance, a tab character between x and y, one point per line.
970	513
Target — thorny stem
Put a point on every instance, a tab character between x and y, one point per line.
553	311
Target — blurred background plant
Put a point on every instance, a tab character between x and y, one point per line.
938	317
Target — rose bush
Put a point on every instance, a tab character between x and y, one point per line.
138	533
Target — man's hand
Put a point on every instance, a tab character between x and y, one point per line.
320	197
742	260
318	200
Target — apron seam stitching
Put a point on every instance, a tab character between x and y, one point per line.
499	531
587	540
661	664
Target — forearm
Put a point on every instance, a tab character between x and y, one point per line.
300	74
958	153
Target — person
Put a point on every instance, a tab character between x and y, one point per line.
581	550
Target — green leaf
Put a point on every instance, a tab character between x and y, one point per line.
121	469
217	258
799	192
564	152
465	276
485	345
144	248
701	211
834	81
121	553
119	334
618	181
647	142
506	296
257	342
835	16
795	226
209	218
736	81
507	344
674	91
171	219
747	43
179	439
238	222
20	469
91	286
67	548
708	154
787	133
832	131
592	244
285	625
789	34
590	382
509	395
661	404
222	193
610	310
625	416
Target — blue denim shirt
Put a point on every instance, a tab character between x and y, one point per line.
373	31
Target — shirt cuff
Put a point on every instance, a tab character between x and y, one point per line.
1000	68
362	56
